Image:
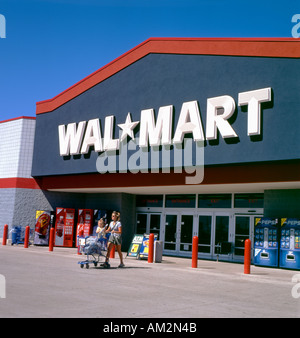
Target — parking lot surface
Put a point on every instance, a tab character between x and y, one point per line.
43	284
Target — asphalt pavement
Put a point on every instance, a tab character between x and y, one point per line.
36	283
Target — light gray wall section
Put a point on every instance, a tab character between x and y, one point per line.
18	207
7	202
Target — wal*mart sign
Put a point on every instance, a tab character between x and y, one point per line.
77	139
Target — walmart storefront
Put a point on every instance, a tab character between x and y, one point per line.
184	136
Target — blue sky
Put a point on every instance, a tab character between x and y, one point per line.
52	44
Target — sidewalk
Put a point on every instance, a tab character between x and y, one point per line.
52	284
213	268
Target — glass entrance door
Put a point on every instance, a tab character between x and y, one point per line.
214	229
242	232
243	229
221	230
178	233
170	242
154	224
186	233
204	235
148	223
141	223
221	235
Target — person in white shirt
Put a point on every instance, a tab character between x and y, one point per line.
115	238
101	228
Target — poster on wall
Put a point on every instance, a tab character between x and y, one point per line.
42	226
144	250
135	245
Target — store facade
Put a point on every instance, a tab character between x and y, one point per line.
184	136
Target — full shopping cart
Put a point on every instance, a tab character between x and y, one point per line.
94	248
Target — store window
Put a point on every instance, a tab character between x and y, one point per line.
249	200
214	201
180	201
154	201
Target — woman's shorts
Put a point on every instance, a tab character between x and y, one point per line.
115	239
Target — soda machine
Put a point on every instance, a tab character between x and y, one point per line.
266	241
290	244
84	222
43	222
64	227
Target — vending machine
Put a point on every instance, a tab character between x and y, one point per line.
290	243
43	222
266	241
84	222
64	227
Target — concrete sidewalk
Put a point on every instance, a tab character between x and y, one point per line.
40	283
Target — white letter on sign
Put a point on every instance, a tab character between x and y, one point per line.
216	120
109	142
254	98
162	129
189	122
70	140
92	137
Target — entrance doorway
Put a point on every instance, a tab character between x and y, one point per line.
148	223
178	233
244	229
214	234
221	234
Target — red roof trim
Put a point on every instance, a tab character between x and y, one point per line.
19	118
263	47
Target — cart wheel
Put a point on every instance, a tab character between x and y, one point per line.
87	266
81	265
95	264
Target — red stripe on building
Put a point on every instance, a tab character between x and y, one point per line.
19	182
236	174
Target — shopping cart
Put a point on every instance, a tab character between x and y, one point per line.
94	248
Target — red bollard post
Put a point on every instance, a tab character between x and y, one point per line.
78	246
247	256
51	239
112	252
26	239
195	252
80	235
151	248
5	232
